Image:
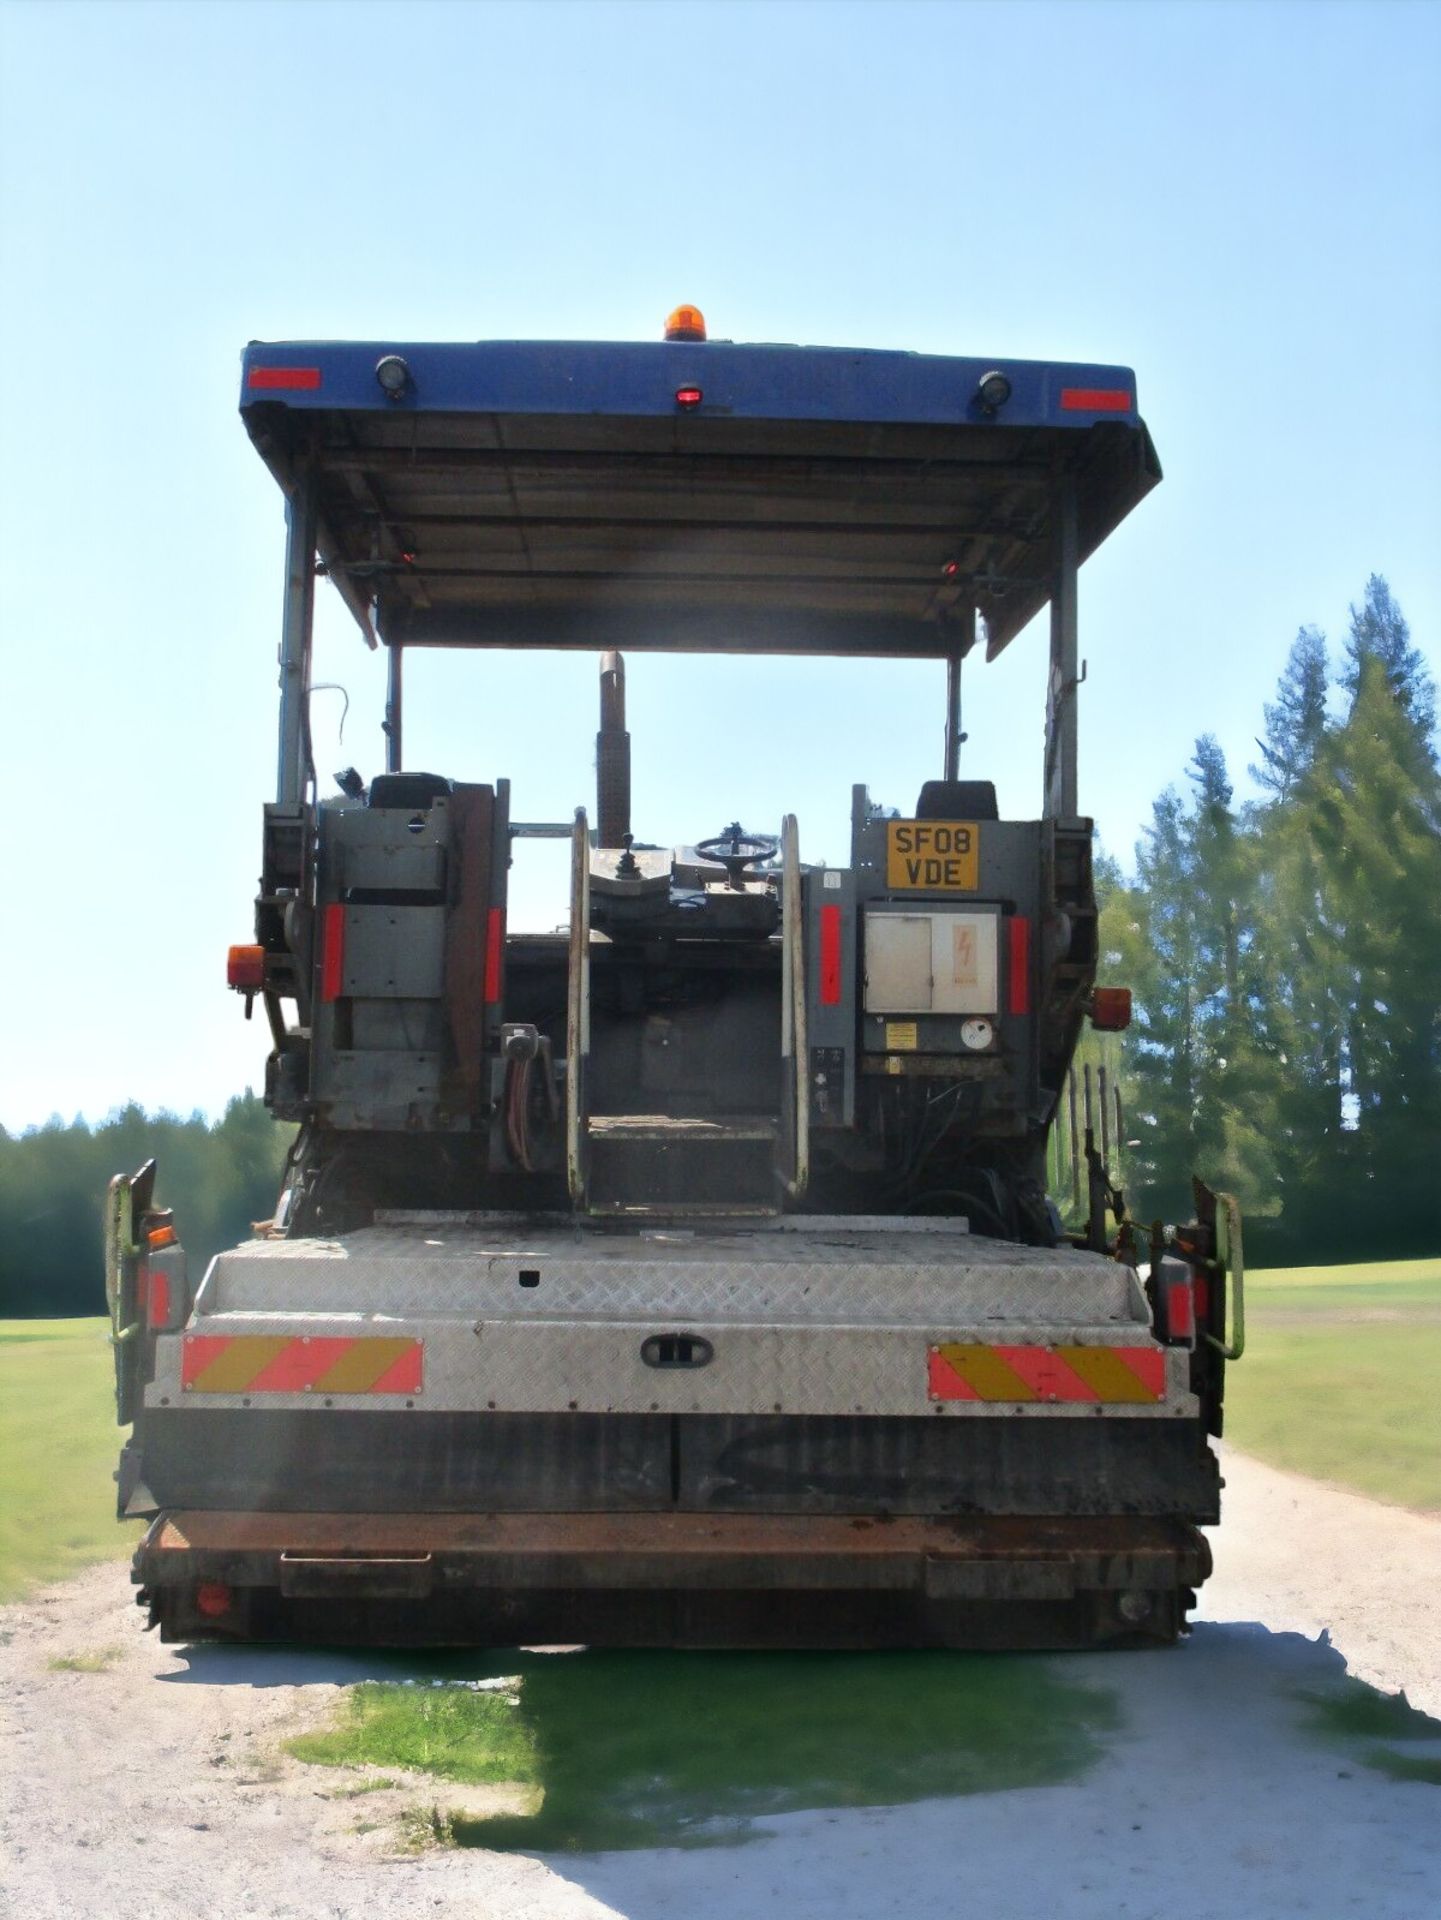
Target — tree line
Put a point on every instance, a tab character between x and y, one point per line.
1285	960
219	1178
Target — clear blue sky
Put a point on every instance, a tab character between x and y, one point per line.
1240	201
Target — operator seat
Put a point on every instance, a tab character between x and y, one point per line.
955	800
413	791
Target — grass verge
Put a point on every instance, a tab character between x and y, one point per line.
1354	1712
1338	1380
58	1448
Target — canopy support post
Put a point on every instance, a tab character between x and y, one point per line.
963	617
394	703
1059	796
295	771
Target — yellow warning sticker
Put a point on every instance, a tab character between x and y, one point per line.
933	856
901	1036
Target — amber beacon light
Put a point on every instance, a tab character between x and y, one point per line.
686	323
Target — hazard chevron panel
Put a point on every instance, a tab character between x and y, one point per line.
1096	1376
264	1363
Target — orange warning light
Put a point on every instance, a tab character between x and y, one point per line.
686	323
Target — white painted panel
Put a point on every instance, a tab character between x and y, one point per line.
963	963
898	963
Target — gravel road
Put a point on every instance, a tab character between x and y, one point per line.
152	1788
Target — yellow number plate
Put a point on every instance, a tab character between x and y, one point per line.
933	856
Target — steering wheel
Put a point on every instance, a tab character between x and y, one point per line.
735	850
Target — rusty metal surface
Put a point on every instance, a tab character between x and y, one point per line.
693	1545
673	1580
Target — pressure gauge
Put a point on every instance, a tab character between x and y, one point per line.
977	1034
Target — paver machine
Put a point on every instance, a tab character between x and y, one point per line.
686	1276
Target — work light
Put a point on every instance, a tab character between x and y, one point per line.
394	376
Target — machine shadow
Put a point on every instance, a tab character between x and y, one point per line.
673	1749
907	1776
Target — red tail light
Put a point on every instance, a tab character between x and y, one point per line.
332	951
494	954
1018	999
284	379
1096	399
213	1598
1180	1311
830	968
1111	1009
157	1298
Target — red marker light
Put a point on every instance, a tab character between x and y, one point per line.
297	379
1096	399
213	1598
1111	1009
951	569
688	396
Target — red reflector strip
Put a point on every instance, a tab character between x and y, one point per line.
1096	399
1018	995
1093	1376
332	950
157	1306
494	953
295	379
317	1363
830	956
1180	1310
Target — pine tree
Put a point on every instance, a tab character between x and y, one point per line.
1379	632
1296	723
1376	824
1157	923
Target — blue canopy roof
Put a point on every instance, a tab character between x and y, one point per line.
692	495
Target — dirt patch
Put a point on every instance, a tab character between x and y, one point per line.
139	1779
1307	1558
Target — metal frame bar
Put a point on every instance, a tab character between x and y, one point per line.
1059	787
297	619
577	1023
963	616
394	707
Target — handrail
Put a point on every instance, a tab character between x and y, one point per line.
577	1010
795	1050
1232	1261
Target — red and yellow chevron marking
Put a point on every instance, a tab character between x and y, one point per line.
1109	1376
266	1363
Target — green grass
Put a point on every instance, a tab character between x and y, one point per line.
450	1732
683	1749
58	1447
1339	1376
100	1660
1352	1712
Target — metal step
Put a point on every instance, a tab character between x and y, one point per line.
620	1129
677	1213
